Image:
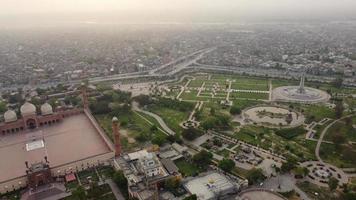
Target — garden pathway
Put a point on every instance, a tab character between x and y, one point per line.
158	118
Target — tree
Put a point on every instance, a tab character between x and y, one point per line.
174	138
333	183
227	165
217	142
191	197
338	82
191	133
255	176
79	193
349	196
208	124
203	158
212	111
159	139
100	107
348	122
289	165
300	172
120	179
143	100
235	110
153	129
94	192
338	139
339	109
172	183
2	107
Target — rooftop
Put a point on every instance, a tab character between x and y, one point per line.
208	186
71	140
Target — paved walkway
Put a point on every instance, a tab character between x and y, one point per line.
158	118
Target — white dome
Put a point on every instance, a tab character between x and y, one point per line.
46	109
28	109
10	116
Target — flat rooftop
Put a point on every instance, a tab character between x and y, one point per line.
73	139
206	187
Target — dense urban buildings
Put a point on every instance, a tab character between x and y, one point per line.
190	103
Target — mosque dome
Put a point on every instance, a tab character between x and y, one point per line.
46	109
10	116
28	109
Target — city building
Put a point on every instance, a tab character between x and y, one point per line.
212	186
145	173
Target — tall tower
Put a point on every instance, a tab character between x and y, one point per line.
116	134
84	96
301	85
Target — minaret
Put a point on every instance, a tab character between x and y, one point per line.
116	134
301	85
84	96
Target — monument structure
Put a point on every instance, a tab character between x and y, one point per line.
300	94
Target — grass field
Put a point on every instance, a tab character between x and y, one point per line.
196	83
187	168
246	95
311	190
238	86
134	126
189	95
338	155
342	129
172	117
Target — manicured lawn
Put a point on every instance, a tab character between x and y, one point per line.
242	104
317	112
135	125
187	168
247	95
240	86
172	117
196	83
189	95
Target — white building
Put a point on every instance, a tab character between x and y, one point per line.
212	186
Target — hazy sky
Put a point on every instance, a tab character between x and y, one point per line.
180	10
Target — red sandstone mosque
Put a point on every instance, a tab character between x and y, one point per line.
36	148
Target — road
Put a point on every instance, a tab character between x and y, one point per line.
158	118
317	149
182	62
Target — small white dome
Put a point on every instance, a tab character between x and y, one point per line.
10	116
46	109
28	109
